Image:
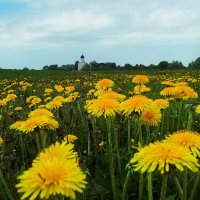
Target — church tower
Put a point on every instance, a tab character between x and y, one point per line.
81	62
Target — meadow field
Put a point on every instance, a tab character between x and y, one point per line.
100	135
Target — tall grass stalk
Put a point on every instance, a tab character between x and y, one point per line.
110	157
149	179
164	187
128	175
194	189
23	150
178	186
185	174
129	134
141	181
5	186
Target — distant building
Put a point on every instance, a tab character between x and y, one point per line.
81	63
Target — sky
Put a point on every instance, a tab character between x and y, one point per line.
34	33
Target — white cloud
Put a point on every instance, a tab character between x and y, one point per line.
19	31
40	24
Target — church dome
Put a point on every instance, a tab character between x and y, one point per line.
82	56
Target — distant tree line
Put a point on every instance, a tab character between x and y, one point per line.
67	67
95	66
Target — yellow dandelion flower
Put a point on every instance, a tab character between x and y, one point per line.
18	108
31	124
42	106
102	143
76	95
1	141
31	105
161	103
151	116
10	114
163	155
103	107
41	122
140	89
36	100
39	112
58	88
17	125
70	138
69	99
112	95
168	83
88	102
3	102
10	91
51	177
48	90
140	79
90	92
53	105
135	104
197	110
46	94
181	83
188	139
59	98
168	91
11	97
184	92
47	99
70	88
29	99
100	92
104	84
49	123
57	150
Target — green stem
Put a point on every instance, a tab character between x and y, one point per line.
148	134
162	124
178	186
179	113
189	124
6	188
140	132
110	157
185	184
37	141
126	184
117	151
129	135
141	181
22	147
43	136
89	143
194	189
141	185
164	187
94	137
149	179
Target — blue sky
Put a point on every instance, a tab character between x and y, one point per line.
34	33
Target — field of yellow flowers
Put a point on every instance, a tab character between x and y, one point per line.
100	135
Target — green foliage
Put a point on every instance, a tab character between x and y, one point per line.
195	64
73	119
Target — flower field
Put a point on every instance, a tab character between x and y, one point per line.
100	135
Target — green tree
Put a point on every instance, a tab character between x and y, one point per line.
53	67
163	65
175	65
195	64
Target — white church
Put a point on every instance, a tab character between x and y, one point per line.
81	62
